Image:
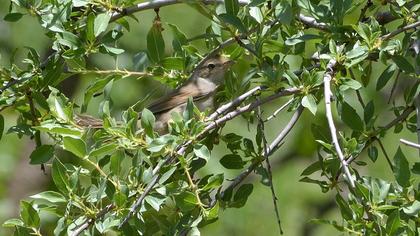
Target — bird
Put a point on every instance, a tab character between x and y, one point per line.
201	87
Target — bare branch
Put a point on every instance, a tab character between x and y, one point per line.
327	94
270	151
158	4
274	115
411	144
312	23
269	172
400	30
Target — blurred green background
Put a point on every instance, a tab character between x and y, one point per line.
298	202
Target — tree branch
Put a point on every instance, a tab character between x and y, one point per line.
411	144
400	30
276	143
327	94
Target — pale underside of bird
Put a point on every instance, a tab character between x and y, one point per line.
201	87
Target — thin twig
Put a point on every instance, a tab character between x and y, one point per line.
272	147
411	144
276	112
400	30
35	122
89	222
269	172
327	94
110	72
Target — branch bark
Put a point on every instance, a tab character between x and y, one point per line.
327	94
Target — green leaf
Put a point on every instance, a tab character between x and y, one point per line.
373	153
59	176
369	112
416	168
155	44
62	130
385	76
116	162
232	7
393	222
202	151
186	201
167	175
214	182
241	195
13	223
104	149
179	38
403	64
346	211
232	161
350	117
284	12
147	121
309	102
50	196
311	168
350	84
402	169
234	21
90	27
13	17
29	215
75	146
42	154
173	63
101	23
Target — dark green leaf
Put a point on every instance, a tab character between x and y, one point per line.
59	176
186	201
311	168
75	146
147	121
214	182
402	169
232	7
369	112
373	153
155	44
350	117
403	64
346	211
416	168
179	38
232	161
385	76
13	17
393	222
42	154
284	12
234	21
90	27
241	195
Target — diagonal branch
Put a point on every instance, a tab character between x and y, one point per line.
327	94
272	147
411	144
400	30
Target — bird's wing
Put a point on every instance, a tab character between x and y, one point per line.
176	98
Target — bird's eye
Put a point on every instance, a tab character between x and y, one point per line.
211	66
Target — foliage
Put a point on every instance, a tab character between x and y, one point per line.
124	177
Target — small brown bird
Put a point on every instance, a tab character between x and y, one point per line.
200	87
